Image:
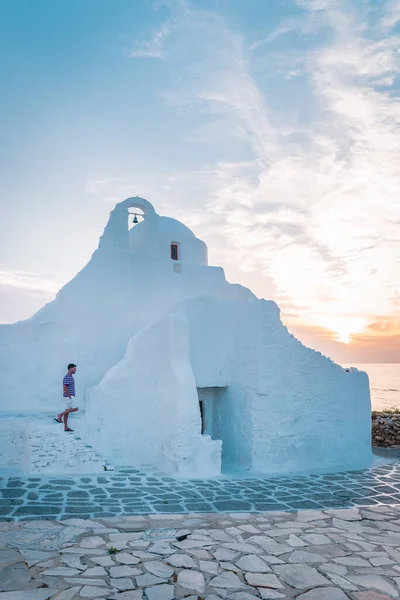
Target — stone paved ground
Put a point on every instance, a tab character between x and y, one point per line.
349	554
128	492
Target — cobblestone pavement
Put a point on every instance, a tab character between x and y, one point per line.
351	554
129	492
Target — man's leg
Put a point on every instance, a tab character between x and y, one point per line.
61	415
66	414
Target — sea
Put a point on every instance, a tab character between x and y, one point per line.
384	380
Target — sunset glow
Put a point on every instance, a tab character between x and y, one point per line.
269	128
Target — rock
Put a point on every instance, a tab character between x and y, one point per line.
8	557
192	580
270	594
95	572
335	569
270	545
375	582
300	576
325	593
159	569
89	591
67	594
303	557
343	583
126	559
295	542
345	514
237	596
161	592
133	595
15	577
227	580
122	583
370	596
225	554
181	561
62	572
32	557
147	580
261	580
40	594
93	541
104	561
253	564
124	571
209	566
351	561
316	539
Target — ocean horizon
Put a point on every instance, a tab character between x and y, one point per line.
384	381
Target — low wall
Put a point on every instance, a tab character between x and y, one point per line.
386	429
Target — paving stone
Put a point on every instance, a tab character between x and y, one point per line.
351	561
227	580
333	568
262	580
300	576
82	581
95	572
67	594
126	559
295	542
124	571
192	580
40	594
61	572
270	594
253	563
89	591
160	592
123	584
325	593
370	596
104	561
301	556
181	561
341	582
92	542
159	569
8	557
315	539
132	595
147	580
375	582
14	577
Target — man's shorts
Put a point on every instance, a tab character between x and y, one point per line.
70	402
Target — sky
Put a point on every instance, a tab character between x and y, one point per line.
270	127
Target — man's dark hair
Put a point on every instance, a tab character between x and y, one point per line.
71	366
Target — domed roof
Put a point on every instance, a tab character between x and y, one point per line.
174	227
166	225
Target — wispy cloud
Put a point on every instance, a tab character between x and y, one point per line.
316	207
27	281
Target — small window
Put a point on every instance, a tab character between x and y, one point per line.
174	252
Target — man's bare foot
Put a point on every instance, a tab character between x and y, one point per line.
58	420
68	429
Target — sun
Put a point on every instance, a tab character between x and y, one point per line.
343	327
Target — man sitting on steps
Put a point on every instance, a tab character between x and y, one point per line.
69	397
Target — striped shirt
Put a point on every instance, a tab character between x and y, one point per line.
69	381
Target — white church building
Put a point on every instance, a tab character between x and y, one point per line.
181	370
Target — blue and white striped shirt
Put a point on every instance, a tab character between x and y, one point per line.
69	381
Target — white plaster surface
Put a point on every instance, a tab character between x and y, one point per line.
151	336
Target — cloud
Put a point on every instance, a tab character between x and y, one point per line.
314	208
27	281
22	294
